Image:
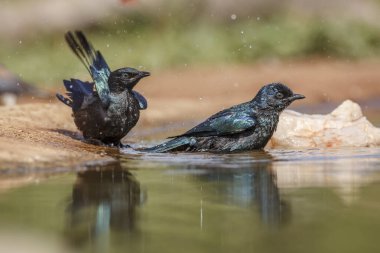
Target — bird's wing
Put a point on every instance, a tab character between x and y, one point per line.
143	104
77	91
93	61
223	123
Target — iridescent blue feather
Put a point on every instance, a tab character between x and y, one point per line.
94	63
76	91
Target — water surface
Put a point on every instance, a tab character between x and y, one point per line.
276	201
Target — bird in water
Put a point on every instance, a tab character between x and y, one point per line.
243	127
107	113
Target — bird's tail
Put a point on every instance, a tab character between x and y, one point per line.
76	92
86	53
92	60
172	145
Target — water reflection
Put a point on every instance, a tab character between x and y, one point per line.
206	203
102	200
251	187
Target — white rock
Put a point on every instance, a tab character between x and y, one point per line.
8	99
344	127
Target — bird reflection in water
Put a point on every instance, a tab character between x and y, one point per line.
252	186
102	201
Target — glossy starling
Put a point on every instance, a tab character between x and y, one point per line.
109	112
243	127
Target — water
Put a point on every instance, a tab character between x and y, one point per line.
277	201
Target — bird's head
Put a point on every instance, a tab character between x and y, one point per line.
276	96
125	78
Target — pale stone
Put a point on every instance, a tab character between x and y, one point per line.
344	127
8	99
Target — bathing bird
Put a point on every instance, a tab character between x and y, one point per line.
243	127
107	113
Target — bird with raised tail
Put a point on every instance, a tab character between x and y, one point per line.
107	113
243	127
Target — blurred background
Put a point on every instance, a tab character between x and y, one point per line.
203	54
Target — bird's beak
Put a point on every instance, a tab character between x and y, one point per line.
144	74
296	96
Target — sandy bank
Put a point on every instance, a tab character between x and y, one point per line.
42	135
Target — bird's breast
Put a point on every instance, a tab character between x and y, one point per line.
266	127
124	107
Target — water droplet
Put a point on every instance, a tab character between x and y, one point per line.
242	32
233	16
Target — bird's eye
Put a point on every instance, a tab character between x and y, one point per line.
279	95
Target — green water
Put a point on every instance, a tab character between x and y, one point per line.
277	201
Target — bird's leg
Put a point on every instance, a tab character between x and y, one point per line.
94	142
118	144
121	145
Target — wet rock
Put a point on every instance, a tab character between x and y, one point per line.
344	127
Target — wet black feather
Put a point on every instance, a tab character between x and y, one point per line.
243	127
110	111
